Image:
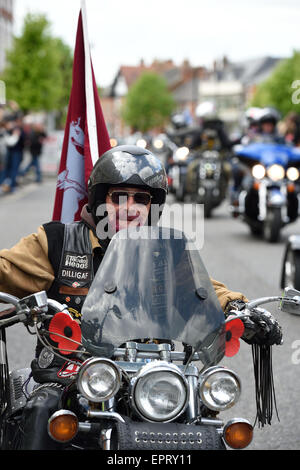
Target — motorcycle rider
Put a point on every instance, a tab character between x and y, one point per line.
251	130
268	121
261	128
191	135
209	120
181	128
251	125
126	181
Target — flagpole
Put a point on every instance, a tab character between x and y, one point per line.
89	91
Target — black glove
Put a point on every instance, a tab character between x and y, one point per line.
260	325
262	328
234	305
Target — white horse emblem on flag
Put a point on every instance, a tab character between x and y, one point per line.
71	180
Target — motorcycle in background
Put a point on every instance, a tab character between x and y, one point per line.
164	148
290	271
177	171
175	160
139	139
130	387
268	197
208	175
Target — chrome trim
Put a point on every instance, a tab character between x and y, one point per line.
105	415
212	422
156	354
192	403
294	241
134	367
9	299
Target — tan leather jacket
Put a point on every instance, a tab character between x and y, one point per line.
25	269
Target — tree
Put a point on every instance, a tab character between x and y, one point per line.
281	89
148	103
39	71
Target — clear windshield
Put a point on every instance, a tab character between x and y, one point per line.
150	285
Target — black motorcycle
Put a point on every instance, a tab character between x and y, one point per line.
175	159
177	171
144	373
208	175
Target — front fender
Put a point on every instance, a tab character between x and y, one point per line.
294	242
276	198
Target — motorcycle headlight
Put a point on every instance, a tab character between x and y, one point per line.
113	142
258	171
159	392
182	153
141	143
219	388
158	144
99	379
275	172
292	173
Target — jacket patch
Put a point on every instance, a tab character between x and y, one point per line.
76	261
76	269
69	369
75	314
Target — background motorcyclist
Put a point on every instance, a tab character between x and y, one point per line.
261	127
250	124
208	119
192	135
268	121
290	128
180	127
36	262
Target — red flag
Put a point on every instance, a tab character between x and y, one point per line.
78	155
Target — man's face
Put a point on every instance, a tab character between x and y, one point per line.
267	127
127	207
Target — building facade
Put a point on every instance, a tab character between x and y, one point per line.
231	85
182	82
6	29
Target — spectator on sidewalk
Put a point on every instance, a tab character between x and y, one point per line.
35	143
15	141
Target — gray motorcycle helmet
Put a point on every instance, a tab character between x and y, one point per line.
127	165
269	115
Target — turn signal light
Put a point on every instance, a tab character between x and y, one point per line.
63	426
290	188
238	434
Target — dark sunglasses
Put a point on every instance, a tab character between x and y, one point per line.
120	197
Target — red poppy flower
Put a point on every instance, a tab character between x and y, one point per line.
63	324
234	330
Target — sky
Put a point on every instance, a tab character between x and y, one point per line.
122	32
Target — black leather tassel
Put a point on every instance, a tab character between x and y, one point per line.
264	384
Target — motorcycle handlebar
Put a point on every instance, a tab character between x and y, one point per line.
262	300
20	313
9	299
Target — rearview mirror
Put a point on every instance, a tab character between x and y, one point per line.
290	302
